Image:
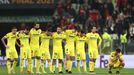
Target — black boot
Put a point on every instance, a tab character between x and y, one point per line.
110	72
117	72
60	72
70	72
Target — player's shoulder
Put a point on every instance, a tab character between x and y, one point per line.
77	38
42	34
9	33
54	33
39	30
63	32
32	29
68	30
112	53
96	34
87	34
120	53
20	34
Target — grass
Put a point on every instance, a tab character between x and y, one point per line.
99	71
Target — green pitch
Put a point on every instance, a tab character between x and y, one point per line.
99	71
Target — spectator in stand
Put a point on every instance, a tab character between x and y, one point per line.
114	2
94	14
131	31
89	23
68	5
60	8
101	8
114	15
100	23
94	4
120	24
111	30
132	13
74	4
72	12
108	8
82	13
122	4
109	21
63	21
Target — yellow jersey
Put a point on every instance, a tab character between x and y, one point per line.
45	39
57	40
92	40
70	37
34	37
114	57
24	39
11	39
80	43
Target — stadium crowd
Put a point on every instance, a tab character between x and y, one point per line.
114	22
114	16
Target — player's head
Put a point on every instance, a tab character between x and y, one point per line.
14	30
48	33
59	30
26	30
118	50
37	26
80	33
93	29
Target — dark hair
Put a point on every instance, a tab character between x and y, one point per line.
118	50
58	27
82	31
14	28
93	26
35	24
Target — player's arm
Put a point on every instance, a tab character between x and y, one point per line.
120	57
87	38
3	41
30	33
18	37
40	31
18	44
64	39
112	56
